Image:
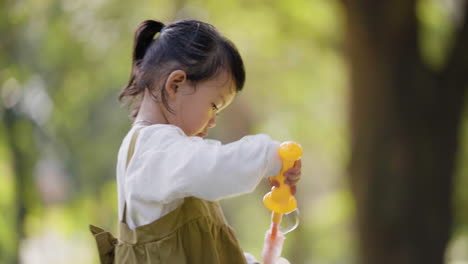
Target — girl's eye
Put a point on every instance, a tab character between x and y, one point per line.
214	107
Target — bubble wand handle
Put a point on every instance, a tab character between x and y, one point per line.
280	201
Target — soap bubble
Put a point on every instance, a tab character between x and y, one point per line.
289	222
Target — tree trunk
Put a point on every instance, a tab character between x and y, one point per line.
405	122
19	138
22	150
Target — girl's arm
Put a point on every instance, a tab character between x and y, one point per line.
168	165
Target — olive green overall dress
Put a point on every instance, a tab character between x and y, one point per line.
194	233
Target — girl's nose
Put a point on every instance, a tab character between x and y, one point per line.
212	122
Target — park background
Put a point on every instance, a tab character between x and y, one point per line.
63	64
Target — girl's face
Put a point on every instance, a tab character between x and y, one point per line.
195	108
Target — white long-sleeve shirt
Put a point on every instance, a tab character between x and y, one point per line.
168	165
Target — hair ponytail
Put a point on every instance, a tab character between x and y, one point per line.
144	36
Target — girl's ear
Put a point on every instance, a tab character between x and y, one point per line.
174	81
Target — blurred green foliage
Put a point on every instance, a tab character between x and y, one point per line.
63	64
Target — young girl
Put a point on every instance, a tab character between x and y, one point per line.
169	177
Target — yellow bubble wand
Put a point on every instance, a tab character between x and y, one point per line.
280	201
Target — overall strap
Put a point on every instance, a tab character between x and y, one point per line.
131	150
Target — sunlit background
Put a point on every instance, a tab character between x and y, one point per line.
63	63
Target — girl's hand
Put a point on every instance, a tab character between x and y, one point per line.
293	175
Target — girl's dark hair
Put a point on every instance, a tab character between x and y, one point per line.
189	45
